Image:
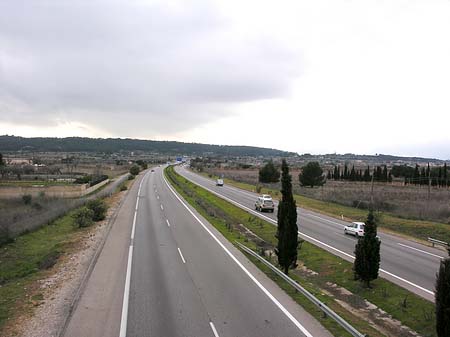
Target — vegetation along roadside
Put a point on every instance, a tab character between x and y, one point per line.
396	311
35	256
416	229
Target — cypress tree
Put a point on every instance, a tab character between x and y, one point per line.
444	175
367	253
287	231
416	176
367	174
345	172
440	177
378	176
384	176
442	299
423	176
353	173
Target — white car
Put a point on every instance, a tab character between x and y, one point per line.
219	182
355	228
264	203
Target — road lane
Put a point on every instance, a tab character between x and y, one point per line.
98	310
409	268
163	299
184	282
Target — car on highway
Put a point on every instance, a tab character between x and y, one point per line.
264	203
355	228
219	182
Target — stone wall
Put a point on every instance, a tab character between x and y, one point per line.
56	191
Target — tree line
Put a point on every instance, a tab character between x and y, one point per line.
114	145
436	176
379	174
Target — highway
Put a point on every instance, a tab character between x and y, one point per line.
404	262
165	271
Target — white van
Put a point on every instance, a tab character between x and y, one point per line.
219	182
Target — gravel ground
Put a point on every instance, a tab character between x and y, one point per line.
51	297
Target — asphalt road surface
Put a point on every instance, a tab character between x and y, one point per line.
165	271
407	263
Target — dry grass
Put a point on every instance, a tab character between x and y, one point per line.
409	202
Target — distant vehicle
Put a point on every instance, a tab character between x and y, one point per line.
219	182
153	170
355	228
264	203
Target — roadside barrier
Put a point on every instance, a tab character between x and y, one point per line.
326	310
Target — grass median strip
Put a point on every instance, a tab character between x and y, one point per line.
419	229
328	277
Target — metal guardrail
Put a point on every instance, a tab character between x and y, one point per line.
326	310
438	242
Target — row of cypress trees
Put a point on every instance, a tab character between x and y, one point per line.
367	252
379	173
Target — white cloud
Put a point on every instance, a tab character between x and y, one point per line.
307	76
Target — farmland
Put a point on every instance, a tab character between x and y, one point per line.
410	202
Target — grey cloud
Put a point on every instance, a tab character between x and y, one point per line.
164	68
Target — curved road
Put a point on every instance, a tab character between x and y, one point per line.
406	263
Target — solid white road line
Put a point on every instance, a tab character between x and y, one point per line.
314	239
250	275
126	290
133	228
419	250
126	295
182	257
213	328
168	223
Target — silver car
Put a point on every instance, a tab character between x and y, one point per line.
264	203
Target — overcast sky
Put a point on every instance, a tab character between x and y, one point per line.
306	76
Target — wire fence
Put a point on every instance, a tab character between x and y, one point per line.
17	222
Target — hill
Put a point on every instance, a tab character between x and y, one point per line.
111	145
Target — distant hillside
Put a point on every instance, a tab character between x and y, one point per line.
111	145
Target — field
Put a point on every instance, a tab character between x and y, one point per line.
322	272
409	202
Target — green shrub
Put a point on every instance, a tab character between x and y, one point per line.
123	187
131	177
83	217
134	170
99	207
27	199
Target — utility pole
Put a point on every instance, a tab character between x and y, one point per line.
371	191
429	189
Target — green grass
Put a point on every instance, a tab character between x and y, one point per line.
418	313
22	261
418	229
